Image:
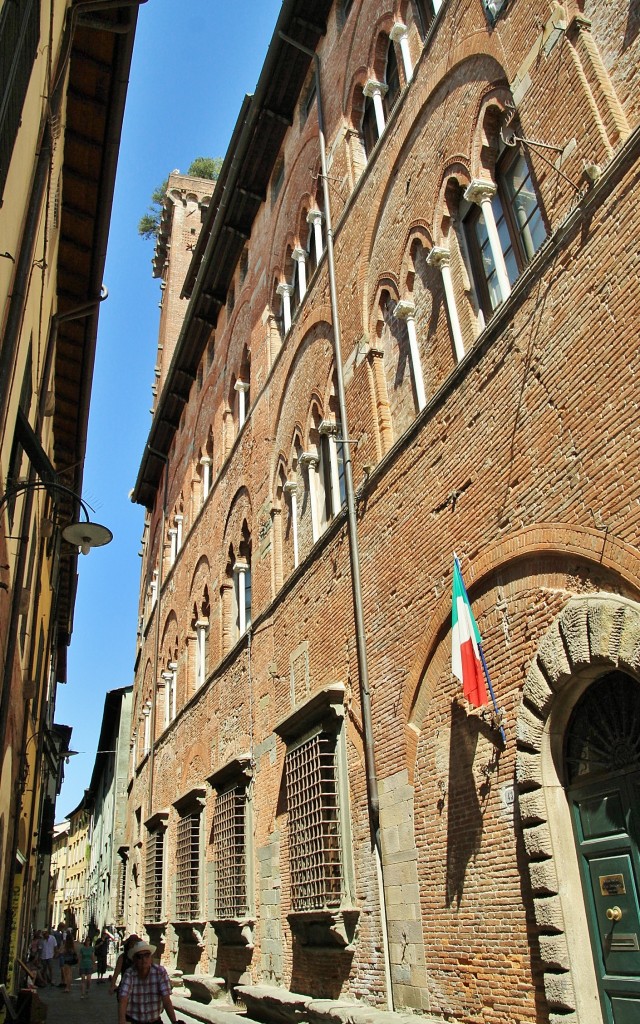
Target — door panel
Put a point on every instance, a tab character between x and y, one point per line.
604	815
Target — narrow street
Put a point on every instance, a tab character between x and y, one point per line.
100	1007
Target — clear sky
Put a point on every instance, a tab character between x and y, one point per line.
192	64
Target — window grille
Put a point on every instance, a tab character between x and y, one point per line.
153	877
122	886
188	868
314	832
229	846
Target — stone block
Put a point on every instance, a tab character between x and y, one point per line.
573	627
554	952
552	658
537	691
530	729
548	913
558	989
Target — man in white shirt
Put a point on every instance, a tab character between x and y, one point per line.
49	946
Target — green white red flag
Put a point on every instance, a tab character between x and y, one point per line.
466	655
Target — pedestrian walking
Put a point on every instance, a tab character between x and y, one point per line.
145	989
70	960
62	931
123	963
101	949
87	966
47	953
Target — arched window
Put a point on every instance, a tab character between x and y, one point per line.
392	80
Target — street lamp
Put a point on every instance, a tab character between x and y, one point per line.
82	534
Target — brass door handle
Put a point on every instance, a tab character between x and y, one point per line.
614	914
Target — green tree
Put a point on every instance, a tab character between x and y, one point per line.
201	167
206	167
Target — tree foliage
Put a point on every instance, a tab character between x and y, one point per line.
201	167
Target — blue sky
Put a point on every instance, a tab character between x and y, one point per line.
193	62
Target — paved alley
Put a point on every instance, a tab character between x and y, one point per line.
101	1008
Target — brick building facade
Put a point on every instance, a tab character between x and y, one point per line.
314	807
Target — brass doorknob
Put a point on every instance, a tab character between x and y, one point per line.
614	914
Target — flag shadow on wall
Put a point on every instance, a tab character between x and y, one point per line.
465	798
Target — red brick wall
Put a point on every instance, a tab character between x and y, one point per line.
534	436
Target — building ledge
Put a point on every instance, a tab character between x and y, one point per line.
270	1003
328	928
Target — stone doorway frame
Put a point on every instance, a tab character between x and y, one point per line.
592	635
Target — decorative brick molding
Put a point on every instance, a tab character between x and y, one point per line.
592	635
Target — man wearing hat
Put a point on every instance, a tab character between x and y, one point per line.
145	989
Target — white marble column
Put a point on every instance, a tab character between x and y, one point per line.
376	90
314	217
242	387
285	291
173	549
202	626
205	462
291	488
482	192
239	569
300	256
441	258
310	461
400	35
405	310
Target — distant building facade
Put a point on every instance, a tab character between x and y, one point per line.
315	812
107	799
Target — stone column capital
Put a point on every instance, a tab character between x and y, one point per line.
398	31
405	309
374	88
315	217
290	487
439	257
299	255
241	385
309	459
480	191
284	289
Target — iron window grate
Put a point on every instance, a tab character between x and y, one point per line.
314	830
188	868
154	877
122	888
229	846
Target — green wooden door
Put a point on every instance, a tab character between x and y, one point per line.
603	759
604	815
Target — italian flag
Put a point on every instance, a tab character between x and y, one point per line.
466	663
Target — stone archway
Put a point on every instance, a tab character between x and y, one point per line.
591	635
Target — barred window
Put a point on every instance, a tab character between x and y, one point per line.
229	847
314	824
154	875
122	888
188	867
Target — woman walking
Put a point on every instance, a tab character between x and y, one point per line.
69	958
87	966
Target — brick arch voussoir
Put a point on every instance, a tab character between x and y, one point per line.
498	96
